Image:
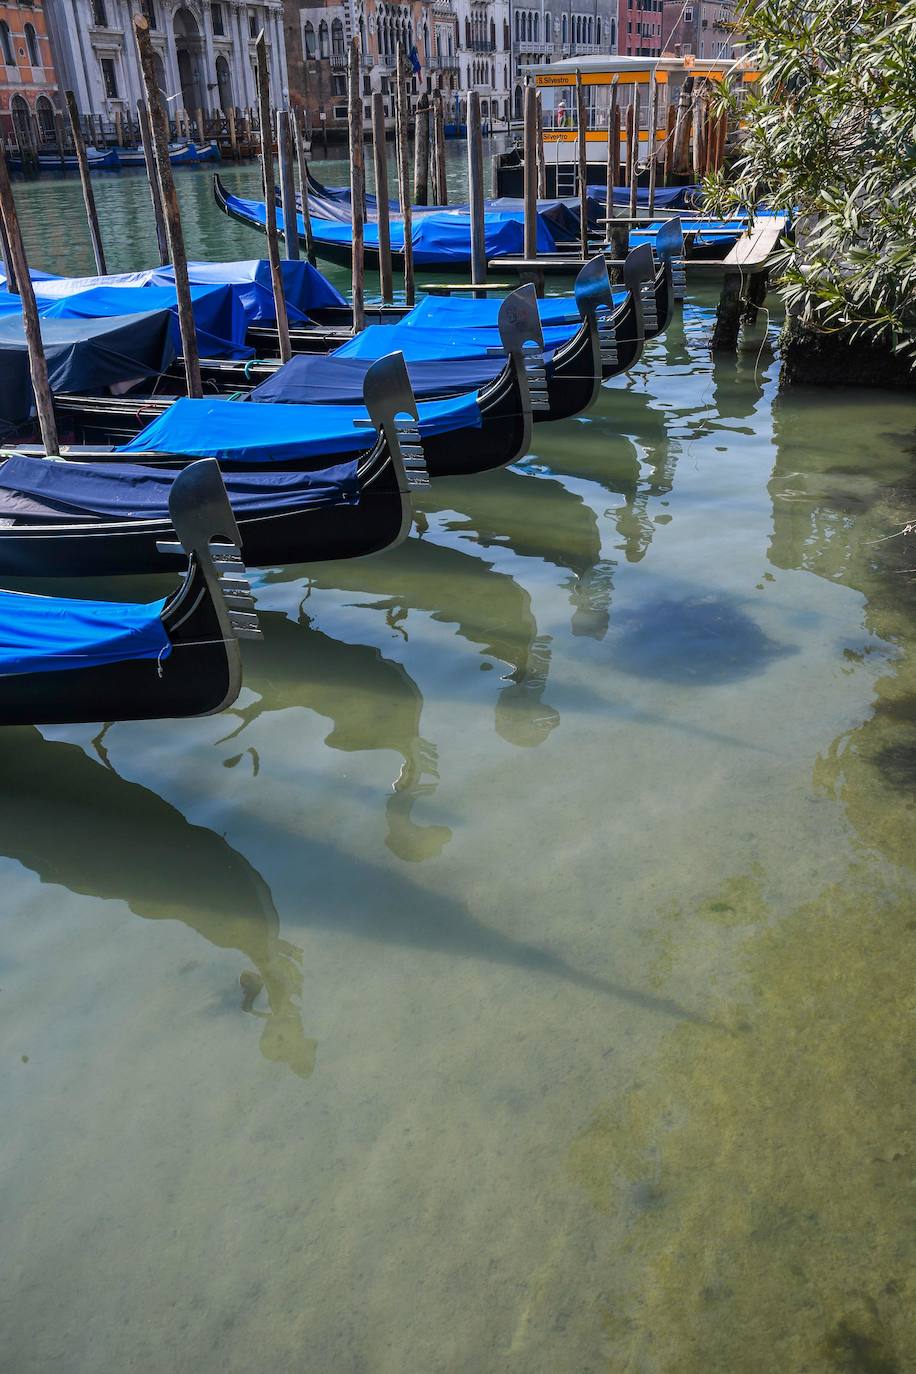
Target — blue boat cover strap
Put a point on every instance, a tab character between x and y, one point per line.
235	432
82	355
319	379
124	491
43	634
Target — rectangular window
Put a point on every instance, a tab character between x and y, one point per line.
688	16
339	111
99	17
109	79
253	26
216	18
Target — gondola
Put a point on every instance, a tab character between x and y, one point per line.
58	520
67	661
500	431
441	238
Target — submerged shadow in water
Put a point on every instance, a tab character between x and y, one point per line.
697	640
78	824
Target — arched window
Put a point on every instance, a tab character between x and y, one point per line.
613	44
45	112
506	34
548	28
309	39
323	39
31	43
563	28
467	33
598	29
517	22
537	27
362	36
6	44
337	37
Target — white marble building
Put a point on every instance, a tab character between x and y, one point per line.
205	53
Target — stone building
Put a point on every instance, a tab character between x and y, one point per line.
204	52
548	30
705	28
28	83
640	25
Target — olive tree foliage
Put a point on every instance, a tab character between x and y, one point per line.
830	137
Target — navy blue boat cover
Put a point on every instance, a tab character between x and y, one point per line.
83	355
124	491
43	634
316	379
235	432
666	197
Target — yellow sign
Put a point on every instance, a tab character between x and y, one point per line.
594	136
599	78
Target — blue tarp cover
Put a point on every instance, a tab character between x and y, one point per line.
449	312
129	492
438	239
43	634
304	286
233	431
442	345
83	355
218	314
666	197
706	231
315	379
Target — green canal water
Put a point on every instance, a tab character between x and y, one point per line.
517	977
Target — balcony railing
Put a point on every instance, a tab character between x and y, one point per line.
339	60
444	64
481	45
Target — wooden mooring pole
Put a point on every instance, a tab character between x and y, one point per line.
403	174
169	205
38	367
439	149
421	152
380	157
530	172
653	130
633	151
152	176
475	191
539	146
262	75
79	147
287	186
357	190
582	152
299	131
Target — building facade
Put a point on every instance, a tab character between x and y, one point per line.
205	53
549	30
642	28
28	82
705	28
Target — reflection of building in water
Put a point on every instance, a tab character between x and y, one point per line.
488	608
117	841
373	702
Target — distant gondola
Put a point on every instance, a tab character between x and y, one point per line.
65	661
57	519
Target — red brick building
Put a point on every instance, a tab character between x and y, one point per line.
639	28
28	82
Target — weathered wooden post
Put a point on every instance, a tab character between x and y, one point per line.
262	79
357	190
170	206
403	174
653	130
439	148
233	133
679	152
119	129
421	152
530	172
633	150
287	186
539	146
582	150
475	191
199	121
6	255
670	136
38	367
613	148
697	141
146	143
380	154
92	218
59	137
299	131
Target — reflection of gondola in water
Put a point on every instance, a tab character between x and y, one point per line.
117	841
487	607
373	703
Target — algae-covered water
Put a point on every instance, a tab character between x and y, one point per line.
519	976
